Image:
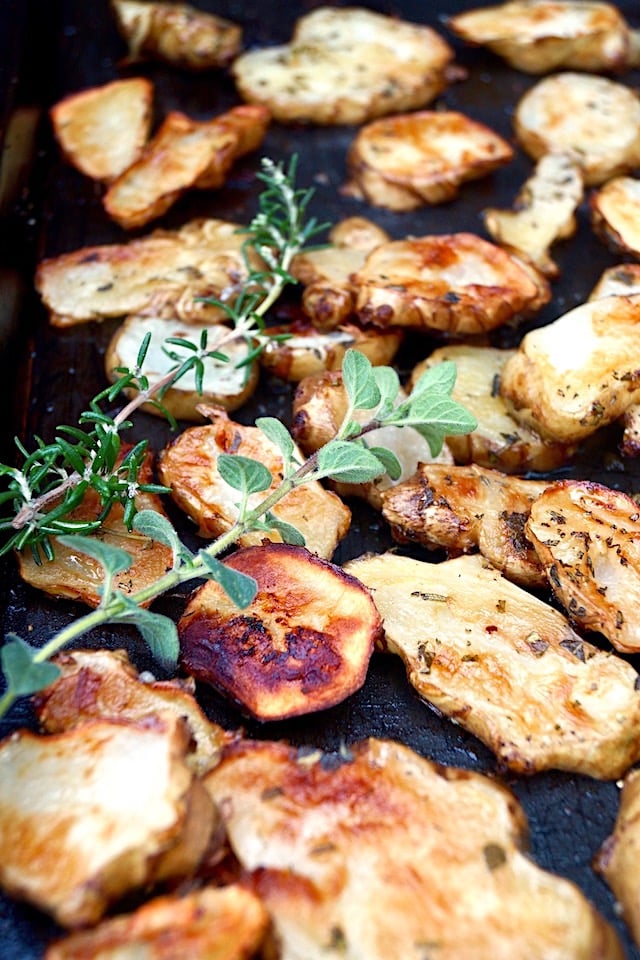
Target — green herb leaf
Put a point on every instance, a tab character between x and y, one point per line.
440	378
349	462
388	384
23	675
287	531
152	524
243	473
159	632
440	411
389	461
437	417
112	559
240	588
360	381
276	431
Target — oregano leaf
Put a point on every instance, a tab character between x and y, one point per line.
359	381
161	636
349	462
440	411
154	525
440	378
243	473
389	461
159	632
23	675
112	559
388	383
287	531
240	588
276	431
434	436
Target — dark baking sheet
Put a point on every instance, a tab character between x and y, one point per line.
49	375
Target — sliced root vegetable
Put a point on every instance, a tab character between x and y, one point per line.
303	644
588	539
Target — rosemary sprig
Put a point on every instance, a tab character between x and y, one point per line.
276	234
347	458
54	478
43	493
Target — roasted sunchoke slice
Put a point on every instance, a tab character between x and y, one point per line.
177	33
579	373
458	283
389	855
506	666
464	508
594	119
102	130
189	467
214	923
94	813
587	536
302	645
345	65
617	860
538	36
407	160
104	685
78	576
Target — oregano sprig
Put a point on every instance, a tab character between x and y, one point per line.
42	494
342	459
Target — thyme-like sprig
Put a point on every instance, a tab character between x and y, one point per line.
278	231
430	410
52	481
54	478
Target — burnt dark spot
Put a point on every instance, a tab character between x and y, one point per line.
494	855
553	575
515	522
575	647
